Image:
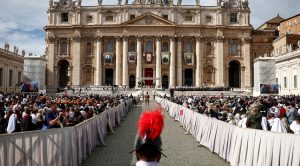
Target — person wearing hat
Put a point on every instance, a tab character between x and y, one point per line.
148	146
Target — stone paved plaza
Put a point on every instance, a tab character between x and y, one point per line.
181	149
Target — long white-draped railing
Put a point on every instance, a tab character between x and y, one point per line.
56	147
240	147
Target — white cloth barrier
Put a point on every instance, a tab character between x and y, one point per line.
239	146
66	146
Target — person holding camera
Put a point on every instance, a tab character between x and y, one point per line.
54	118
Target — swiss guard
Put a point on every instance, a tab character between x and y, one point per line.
148	146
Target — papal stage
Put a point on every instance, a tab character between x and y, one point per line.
158	42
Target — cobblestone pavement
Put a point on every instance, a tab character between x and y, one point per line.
180	149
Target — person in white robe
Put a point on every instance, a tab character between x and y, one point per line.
278	126
295	126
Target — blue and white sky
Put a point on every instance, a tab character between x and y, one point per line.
22	21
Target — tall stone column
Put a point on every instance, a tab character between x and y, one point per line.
158	62
51	84
172	62
99	61
198	62
247	62
242	77
179	61
76	60
139	61
125	61
118	61
219	54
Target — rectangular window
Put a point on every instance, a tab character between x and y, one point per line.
109	18
132	16
285	82
234	49
233	17
19	77
89	19
64	17
295	81
165	16
1	77
276	80
10	80
188	18
208	19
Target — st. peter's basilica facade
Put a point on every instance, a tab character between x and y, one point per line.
157	42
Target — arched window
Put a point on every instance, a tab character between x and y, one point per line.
89	48
208	48
165	47
132	46
188	47
63	47
234	49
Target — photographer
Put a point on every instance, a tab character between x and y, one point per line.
54	118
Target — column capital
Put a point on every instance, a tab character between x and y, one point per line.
76	38
139	38
198	38
219	38
158	38
125	38
179	38
98	38
118	38
172	38
243	68
246	39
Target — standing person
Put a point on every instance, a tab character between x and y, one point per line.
292	113
53	118
254	118
147	98
148	146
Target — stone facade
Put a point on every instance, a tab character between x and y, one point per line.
11	69
35	70
158	43
290	26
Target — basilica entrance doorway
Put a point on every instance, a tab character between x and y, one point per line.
63	73
165	82
131	81
188	77
109	76
234	74
148	74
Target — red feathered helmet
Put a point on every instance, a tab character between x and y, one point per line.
149	142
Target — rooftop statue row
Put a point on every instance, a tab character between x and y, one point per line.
58	4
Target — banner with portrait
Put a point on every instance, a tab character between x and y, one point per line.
148	57
165	58
131	57
189	58
108	58
269	88
30	87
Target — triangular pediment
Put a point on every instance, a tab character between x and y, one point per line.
148	19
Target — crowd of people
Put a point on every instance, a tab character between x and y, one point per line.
24	112
272	113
